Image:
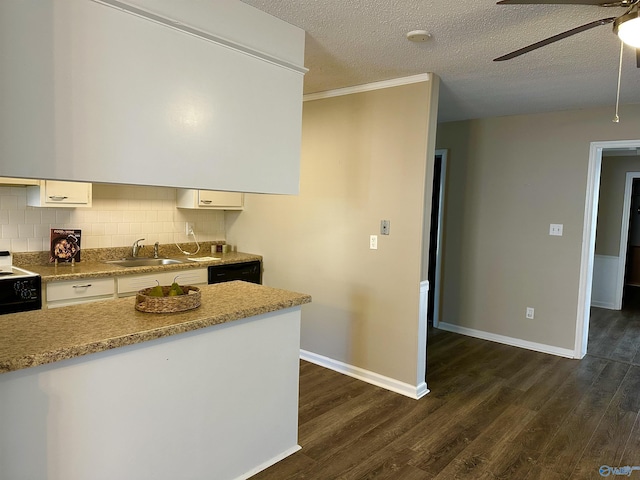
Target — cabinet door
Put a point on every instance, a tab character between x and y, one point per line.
189	198
224	200
54	193
67	192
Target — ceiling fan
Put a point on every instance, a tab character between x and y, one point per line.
626	26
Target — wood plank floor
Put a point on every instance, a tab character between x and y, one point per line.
494	412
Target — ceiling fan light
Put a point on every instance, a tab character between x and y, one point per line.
627	27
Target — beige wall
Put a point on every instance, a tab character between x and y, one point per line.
365	158
508	179
612	184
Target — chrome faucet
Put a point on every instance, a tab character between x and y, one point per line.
155	249
136	247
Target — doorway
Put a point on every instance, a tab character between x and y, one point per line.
589	238
628	274
434	273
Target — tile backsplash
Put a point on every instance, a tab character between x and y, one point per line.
120	214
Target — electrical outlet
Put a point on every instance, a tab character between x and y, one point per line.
373	242
529	313
555	229
385	225
189	228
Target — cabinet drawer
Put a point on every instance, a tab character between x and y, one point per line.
130	284
78	291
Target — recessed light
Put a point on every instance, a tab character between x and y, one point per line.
418	36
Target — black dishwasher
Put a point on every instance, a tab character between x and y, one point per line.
247	271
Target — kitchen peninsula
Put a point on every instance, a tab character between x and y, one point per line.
103	391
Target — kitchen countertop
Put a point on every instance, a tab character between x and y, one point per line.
28	339
92	268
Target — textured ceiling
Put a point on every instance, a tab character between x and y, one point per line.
351	42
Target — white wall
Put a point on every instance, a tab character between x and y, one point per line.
365	157
119	216
508	179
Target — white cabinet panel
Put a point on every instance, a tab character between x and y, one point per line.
18	181
130	284
73	292
187	198
52	193
113	97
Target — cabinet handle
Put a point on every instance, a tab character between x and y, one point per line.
207	202
57	198
82	286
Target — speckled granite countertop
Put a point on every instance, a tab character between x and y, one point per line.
97	268
28	339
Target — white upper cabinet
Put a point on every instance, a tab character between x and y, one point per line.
53	193
188	198
95	93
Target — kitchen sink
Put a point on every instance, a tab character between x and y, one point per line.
144	262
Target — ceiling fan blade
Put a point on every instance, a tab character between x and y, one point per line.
555	38
604	3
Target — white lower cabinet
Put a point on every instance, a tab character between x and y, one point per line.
73	292
130	284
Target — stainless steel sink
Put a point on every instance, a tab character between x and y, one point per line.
144	262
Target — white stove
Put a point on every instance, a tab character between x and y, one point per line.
15	272
20	289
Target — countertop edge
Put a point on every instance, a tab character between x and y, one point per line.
53	355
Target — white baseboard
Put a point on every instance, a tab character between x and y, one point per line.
373	378
514	342
604	292
607	305
268	463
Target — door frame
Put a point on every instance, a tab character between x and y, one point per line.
589	239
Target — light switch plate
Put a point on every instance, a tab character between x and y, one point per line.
555	229
385	226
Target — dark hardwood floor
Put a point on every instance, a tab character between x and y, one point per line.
494	412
